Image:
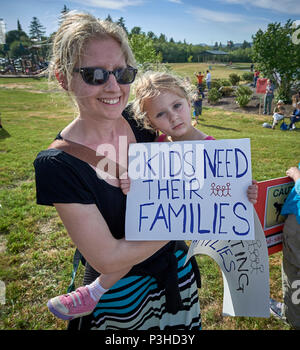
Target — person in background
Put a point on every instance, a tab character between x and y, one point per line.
199	77
291	252
295	117
197	104
255	77
269	95
208	79
278	113
296	99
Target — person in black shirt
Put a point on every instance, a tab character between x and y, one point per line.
93	62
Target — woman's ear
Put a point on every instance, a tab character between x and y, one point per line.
62	80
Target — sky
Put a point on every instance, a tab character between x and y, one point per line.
195	21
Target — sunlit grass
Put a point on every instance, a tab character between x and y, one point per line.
35	250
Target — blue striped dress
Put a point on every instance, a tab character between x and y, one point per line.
139	302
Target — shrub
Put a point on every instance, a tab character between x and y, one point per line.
216	83
225	82
234	78
242	100
243	90
248	76
226	90
243	95
214	95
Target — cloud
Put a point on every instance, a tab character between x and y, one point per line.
110	4
283	6
205	15
176	1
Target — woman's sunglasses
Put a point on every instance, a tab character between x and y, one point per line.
98	76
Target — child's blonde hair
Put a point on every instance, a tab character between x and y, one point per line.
74	33
152	84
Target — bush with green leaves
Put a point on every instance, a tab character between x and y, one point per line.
213	95
243	100
243	95
244	90
234	78
248	76
225	82
226	91
215	83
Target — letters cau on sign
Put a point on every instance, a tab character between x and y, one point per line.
189	190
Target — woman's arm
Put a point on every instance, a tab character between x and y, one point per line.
90	233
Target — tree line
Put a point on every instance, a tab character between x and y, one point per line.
146	46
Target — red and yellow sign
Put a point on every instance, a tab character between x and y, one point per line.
271	196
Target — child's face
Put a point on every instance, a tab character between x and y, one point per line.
169	113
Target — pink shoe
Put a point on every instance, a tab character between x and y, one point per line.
72	305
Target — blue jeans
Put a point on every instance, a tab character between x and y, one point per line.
208	85
294	119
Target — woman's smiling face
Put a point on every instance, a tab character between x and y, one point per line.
109	99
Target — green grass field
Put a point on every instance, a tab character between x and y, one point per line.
35	250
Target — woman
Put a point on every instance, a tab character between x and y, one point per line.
93	62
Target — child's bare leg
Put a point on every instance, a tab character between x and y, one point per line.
107	281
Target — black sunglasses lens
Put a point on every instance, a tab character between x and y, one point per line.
125	75
98	76
94	76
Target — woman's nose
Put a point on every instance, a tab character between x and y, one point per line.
112	84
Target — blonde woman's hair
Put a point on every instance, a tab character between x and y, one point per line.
152	84
74	33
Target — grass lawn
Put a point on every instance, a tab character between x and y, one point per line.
35	250
218	71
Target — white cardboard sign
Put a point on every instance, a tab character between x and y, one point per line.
245	270
190	190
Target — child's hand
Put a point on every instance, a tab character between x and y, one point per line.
293	173
252	192
125	184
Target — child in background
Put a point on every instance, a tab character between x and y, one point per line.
197	104
278	113
163	103
291	252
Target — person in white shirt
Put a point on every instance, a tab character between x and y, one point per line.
208	79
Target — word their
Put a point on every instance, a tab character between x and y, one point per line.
156	339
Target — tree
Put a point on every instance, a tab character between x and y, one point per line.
143	49
245	44
230	44
136	31
36	30
276	54
121	23
19	26
63	12
16	35
108	18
